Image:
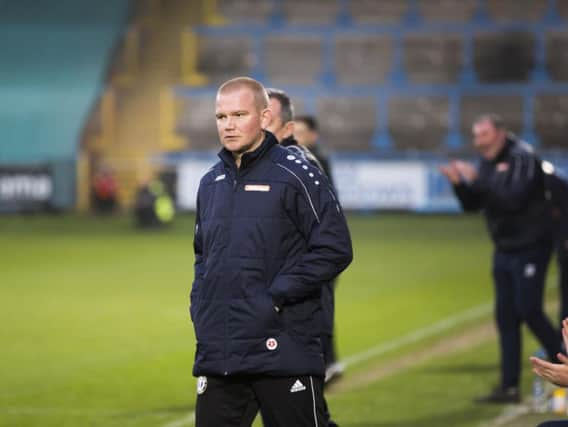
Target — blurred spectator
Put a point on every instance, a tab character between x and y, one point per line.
282	126
508	187
104	191
306	132
153	207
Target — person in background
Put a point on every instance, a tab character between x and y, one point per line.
306	131
508	187
153	206
104	191
282	126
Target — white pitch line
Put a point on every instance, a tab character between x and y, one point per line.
420	334
509	414
187	420
380	349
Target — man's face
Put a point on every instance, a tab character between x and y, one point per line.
487	139
304	135
280	130
239	120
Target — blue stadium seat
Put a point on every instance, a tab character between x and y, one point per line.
504	56
557	55
377	12
347	123
419	123
551	121
246	11
516	10
433	58
363	59
447	10
293	59
221	58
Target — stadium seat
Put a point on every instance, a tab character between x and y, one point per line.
363	59
510	107
562	8
551	121
501	57
377	12
516	10
433	58
254	11
419	123
557	55
196	121
347	123
221	58
310	11
447	10
294	60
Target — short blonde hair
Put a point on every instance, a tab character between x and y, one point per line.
260	94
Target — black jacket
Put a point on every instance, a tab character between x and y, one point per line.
510	191
269	233
314	154
556	194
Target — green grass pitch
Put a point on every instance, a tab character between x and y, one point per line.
95	330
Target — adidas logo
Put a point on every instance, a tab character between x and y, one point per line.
298	386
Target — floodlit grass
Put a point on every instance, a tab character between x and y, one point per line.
95	330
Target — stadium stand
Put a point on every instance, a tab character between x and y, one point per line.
557	55
42	114
551	121
303	65
70	41
377	12
405	77
433	58
347	123
418	123
222	58
362	59
447	10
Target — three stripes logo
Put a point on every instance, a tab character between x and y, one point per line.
298	386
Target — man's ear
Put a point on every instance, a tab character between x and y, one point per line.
289	129
265	118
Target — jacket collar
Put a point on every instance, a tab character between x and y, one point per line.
504	153
249	159
287	142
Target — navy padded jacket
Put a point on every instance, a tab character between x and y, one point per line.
270	233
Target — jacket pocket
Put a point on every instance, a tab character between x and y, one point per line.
304	318
251	318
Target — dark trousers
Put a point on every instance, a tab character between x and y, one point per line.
235	401
519	284
562	258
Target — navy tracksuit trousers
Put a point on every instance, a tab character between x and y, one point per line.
519	285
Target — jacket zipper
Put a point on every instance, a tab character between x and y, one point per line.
226	320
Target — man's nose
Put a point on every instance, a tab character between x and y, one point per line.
230	123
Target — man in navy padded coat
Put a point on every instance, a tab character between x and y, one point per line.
269	234
509	187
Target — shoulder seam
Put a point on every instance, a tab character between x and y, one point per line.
305	189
